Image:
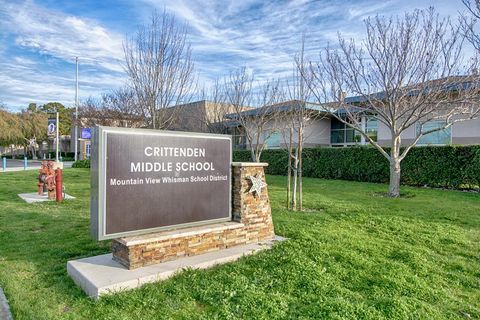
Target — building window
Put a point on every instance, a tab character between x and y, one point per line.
443	136
272	139
88	148
337	136
239	142
343	135
371	128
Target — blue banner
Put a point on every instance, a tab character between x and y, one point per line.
52	127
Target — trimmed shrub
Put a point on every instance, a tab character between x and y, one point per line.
472	170
81	164
68	155
455	167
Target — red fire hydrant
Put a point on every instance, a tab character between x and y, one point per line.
58	185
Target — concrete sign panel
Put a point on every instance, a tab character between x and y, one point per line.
148	180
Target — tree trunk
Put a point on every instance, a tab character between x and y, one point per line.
294	189
154	119
252	153
289	172
299	168
394	188
256	153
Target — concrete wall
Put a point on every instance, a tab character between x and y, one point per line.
317	132
385	136
466	132
189	117
200	116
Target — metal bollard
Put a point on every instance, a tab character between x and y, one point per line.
4	164
25	163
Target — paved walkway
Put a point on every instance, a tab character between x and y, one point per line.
4	308
35	197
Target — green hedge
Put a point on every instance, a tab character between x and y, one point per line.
81	164
455	167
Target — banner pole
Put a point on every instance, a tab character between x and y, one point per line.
56	149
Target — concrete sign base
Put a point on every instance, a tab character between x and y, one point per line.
101	275
136	260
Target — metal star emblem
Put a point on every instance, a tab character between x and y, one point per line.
257	184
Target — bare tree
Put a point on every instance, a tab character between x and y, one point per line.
469	22
259	122
473	6
216	108
297	118
159	66
90	113
118	108
408	72
206	115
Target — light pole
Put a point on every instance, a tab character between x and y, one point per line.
76	109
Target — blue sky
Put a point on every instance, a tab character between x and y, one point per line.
40	39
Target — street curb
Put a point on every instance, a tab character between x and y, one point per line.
4	308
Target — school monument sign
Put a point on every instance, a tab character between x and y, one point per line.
156	180
169	200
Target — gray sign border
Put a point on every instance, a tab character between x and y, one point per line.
99	174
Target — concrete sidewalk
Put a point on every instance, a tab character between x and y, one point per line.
17	165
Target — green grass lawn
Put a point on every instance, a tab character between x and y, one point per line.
351	254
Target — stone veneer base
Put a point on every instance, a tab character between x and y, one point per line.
140	251
252	222
101	275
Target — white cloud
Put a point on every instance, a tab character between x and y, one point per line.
259	34
47	43
63	36
225	34
25	83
